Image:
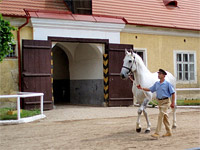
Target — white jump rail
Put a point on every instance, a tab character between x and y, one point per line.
182	89
24	95
188	89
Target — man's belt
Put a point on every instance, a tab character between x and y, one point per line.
163	98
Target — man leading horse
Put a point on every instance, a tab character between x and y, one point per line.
164	90
133	64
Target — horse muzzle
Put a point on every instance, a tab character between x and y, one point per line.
123	76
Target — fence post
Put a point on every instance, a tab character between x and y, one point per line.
18	108
41	104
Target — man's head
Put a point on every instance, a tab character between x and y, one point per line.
161	74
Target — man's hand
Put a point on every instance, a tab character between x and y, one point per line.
172	105
139	87
145	89
173	100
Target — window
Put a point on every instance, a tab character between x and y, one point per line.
185	66
13	54
172	3
80	6
142	53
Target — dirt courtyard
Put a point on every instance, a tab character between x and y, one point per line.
104	132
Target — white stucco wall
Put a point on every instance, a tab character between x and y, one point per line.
85	60
42	28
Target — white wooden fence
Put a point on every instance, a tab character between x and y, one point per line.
188	89
24	95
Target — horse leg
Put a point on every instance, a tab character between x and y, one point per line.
145	102
174	118
138	126
148	122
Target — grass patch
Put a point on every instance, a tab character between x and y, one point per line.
24	113
153	103
188	102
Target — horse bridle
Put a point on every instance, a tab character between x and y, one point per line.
129	69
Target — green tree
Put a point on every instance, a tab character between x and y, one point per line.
6	38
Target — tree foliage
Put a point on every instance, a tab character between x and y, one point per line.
6	38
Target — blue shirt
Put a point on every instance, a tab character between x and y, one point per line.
162	90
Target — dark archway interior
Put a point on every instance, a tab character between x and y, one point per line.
61	76
77	74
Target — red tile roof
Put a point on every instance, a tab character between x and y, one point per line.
152	12
15	7
55	9
138	12
76	17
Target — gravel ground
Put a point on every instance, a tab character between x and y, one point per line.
70	112
101	128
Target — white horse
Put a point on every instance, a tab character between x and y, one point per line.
142	76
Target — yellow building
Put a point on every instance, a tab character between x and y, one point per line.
165	32
161	48
165	37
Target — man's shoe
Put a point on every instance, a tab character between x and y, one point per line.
167	134
155	135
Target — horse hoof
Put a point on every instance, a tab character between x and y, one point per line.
138	130
147	131
173	127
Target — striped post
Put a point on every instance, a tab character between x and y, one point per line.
105	72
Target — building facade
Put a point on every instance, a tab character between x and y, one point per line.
162	40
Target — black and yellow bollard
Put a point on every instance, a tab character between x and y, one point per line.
106	75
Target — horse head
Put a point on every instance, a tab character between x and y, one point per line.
129	64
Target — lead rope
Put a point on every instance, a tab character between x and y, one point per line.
143	92
136	85
151	100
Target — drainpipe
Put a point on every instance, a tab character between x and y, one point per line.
19	45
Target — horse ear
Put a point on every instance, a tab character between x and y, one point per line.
126	52
131	50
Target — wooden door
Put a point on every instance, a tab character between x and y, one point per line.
120	91
36	72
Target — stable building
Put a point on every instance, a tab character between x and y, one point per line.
166	34
72	51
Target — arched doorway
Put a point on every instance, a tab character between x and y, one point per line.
61	76
78	74
86	73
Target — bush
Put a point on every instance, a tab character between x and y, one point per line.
6	38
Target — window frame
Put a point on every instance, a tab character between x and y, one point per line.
144	50
195	66
15	52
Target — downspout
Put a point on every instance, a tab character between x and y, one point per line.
19	46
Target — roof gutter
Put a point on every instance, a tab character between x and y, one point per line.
160	26
19	46
12	15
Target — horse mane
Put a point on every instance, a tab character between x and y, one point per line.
140	63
